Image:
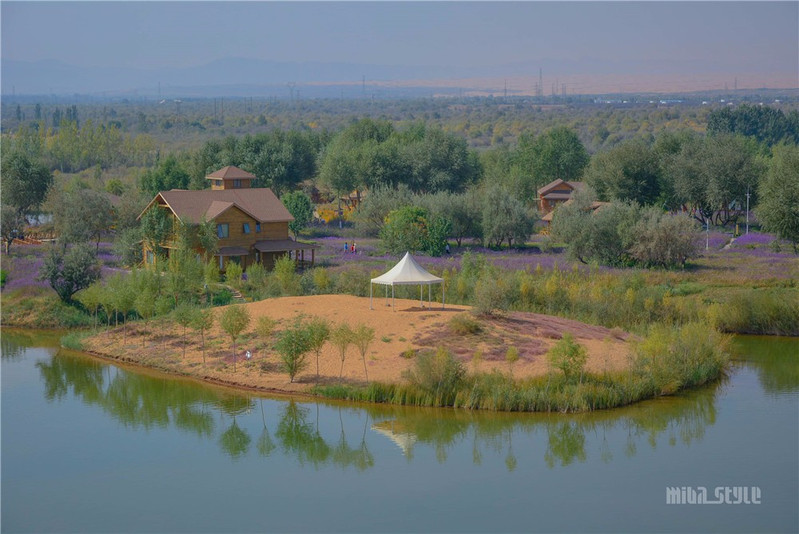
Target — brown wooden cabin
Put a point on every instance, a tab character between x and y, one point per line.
251	223
556	193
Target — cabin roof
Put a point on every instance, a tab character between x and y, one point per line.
555	183
231	172
193	206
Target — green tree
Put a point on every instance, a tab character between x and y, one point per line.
301	208
293	345
405	230
505	218
156	229
382	200
70	269
203	320
12	225
362	337
265	327
318	331
82	215
778	208
629	171
169	174
556	154
145	306
90	298
568	356
341	337
234	320
24	182
184	314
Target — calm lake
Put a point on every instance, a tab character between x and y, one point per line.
92	447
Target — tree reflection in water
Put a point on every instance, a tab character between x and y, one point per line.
142	401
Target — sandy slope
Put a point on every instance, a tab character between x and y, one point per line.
410	326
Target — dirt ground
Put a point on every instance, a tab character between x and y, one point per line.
160	344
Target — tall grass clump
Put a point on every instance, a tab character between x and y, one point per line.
438	374
758	311
74	340
672	358
463	324
668	359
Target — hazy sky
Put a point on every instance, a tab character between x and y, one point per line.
171	34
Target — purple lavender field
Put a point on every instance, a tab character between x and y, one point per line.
22	265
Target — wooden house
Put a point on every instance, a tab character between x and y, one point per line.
556	193
251	223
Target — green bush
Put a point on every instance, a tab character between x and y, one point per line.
3	276
568	356
73	340
438	374
222	298
462	324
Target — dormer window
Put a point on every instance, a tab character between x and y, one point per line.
236	184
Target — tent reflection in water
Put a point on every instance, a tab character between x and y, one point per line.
407	273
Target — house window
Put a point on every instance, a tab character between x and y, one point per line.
222	230
257	227
150	257
236	184
221	263
245	228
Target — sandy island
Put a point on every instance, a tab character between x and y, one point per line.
160	346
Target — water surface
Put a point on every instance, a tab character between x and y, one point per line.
92	447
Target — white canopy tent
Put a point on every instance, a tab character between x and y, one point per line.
406	273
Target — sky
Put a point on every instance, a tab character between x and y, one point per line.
758	35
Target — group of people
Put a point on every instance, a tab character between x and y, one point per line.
350	247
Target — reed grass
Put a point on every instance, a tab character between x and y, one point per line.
668	360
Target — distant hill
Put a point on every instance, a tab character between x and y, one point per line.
252	77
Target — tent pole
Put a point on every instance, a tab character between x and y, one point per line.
429	298
443	293
421	293
370	296
393	306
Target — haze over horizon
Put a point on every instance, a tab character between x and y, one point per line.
94	47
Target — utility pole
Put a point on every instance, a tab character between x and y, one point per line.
747	208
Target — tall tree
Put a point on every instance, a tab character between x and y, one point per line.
778	208
169	174
68	270
555	154
234	320
82	215
24	182
301	208
629	171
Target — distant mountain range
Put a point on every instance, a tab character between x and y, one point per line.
253	77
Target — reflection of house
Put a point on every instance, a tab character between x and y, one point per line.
251	223
556	193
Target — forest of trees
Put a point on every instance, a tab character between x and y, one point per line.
702	160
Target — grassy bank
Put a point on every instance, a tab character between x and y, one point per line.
666	361
40	308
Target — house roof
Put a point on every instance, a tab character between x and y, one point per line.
231	172
555	183
193	206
